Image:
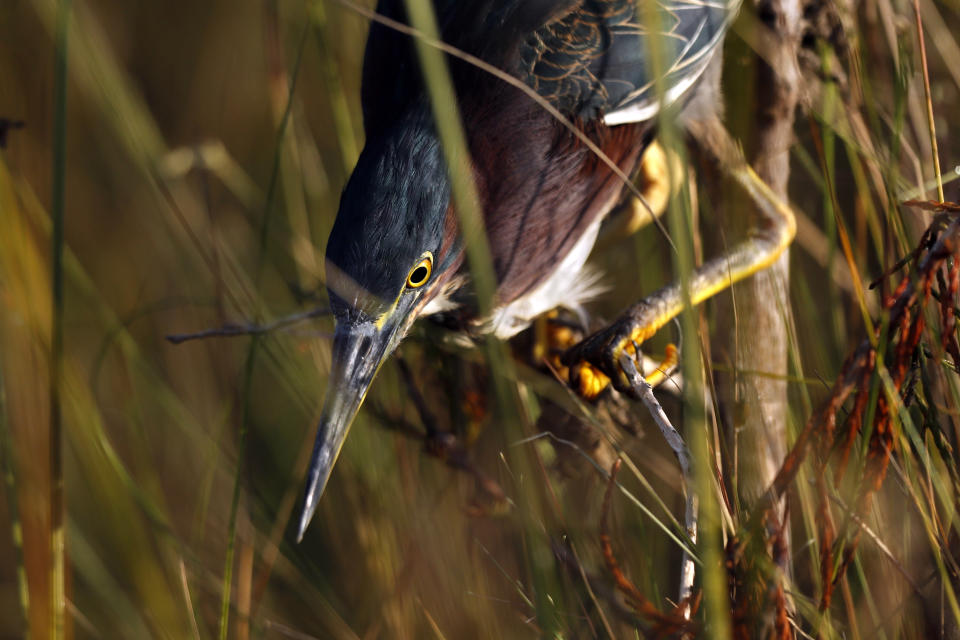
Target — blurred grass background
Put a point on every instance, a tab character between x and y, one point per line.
207	144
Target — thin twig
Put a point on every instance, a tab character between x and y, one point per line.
679	447
234	330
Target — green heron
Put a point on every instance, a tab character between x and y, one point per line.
395	254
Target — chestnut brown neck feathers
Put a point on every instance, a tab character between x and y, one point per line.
540	186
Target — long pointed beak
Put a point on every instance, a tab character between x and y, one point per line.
358	352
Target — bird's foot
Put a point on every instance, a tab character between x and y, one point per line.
594	363
556	333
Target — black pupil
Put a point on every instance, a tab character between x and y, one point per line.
419	275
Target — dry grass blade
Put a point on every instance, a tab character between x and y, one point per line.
929	100
907	323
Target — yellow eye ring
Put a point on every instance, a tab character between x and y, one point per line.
420	273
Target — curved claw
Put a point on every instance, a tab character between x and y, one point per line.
594	363
671	358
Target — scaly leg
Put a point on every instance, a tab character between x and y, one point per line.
595	361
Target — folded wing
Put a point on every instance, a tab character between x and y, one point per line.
620	60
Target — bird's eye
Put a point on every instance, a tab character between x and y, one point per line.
420	273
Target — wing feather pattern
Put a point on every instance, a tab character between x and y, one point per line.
590	58
596	60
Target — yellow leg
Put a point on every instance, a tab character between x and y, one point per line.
657	166
599	354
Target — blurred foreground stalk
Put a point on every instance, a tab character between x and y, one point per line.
56	501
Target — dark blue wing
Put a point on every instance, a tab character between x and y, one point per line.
598	58
590	58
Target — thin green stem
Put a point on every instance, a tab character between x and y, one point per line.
926	88
57	541
278	149
339	107
235	501
254	344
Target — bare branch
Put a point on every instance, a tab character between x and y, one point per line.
234	330
643	389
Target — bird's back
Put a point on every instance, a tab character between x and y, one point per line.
542	190
612	59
